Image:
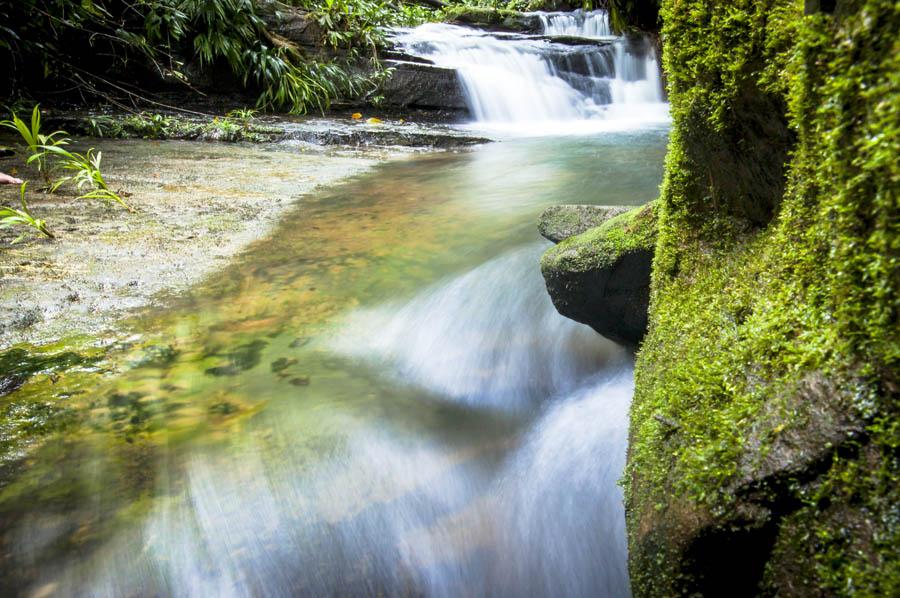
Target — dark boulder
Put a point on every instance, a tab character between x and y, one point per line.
495	19
419	85
602	277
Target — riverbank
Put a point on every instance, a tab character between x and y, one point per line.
195	206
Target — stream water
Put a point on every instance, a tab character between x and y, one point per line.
379	398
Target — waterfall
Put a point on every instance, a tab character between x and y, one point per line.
554	86
465	338
578	23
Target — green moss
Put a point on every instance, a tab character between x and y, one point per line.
603	245
486	16
161	126
778	260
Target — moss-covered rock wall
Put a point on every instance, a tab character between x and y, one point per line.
765	437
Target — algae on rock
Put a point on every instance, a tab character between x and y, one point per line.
602	277
774	306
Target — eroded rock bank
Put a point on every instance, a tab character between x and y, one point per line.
763	453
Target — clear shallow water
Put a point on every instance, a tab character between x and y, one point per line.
377	398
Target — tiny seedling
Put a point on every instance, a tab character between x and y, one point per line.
10	217
86	173
35	141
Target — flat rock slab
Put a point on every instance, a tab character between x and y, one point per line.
394	133
557	223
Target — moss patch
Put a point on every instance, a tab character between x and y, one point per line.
778	261
603	245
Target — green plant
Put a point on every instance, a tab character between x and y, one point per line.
242	116
35	140
13	217
86	173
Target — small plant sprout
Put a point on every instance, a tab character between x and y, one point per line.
10	217
242	116
86	173
35	141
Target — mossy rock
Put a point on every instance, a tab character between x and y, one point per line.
558	223
602	277
499	19
763	454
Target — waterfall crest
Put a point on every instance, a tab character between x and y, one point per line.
545	84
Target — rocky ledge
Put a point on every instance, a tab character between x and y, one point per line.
600	276
558	223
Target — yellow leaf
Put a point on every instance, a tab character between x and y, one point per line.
356	116
373	121
778	429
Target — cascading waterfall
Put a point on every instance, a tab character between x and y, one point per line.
545	86
465	440
464	338
577	23
388	510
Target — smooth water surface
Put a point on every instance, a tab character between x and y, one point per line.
377	399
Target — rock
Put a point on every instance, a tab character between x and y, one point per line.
291	24
495	19
419	85
10	383
781	462
322	131
602	277
281	364
558	223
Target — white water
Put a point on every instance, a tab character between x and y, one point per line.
530	85
577	23
464	338
420	506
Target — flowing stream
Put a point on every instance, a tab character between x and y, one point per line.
574	78
379	398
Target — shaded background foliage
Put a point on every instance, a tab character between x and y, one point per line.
122	50
81	49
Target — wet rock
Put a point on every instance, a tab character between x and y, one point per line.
418	85
322	131
781	463
496	19
240	359
281	364
558	223
10	383
602	277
